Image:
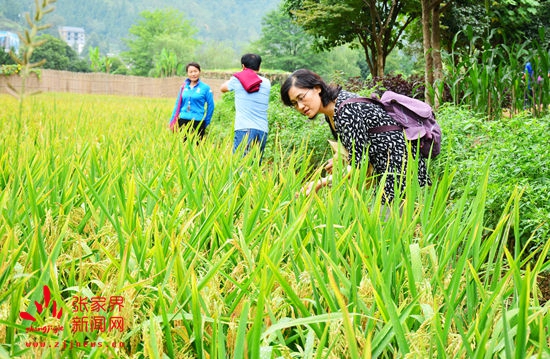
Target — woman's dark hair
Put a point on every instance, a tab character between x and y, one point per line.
194	64
307	79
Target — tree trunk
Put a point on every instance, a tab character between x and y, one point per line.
436	55
380	60
427	45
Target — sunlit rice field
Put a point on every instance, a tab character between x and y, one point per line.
120	240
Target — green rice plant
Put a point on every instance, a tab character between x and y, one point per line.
26	67
215	256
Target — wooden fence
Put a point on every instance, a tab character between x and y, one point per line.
107	84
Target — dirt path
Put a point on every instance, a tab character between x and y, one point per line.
215	86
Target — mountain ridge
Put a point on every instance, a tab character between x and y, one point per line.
106	22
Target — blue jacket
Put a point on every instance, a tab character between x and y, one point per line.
190	103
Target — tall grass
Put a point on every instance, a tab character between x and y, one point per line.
490	78
217	257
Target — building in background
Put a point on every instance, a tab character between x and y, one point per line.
9	40
75	37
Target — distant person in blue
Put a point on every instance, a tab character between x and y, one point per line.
251	103
528	77
195	103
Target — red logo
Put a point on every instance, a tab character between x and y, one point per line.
55	311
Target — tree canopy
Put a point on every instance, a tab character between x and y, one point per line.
58	55
157	30
376	25
284	45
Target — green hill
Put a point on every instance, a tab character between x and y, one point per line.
233	22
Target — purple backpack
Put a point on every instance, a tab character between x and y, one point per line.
413	116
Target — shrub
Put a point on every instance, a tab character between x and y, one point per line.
516	152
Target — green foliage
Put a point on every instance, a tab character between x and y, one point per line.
166	64
118	67
95	59
406	61
506	22
490	78
516	152
286	46
106	64
57	55
376	26
516	21
8	70
217	55
108	21
6	59
217	257
156	31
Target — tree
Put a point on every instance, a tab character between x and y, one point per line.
502	22
431	40
158	30
58	55
284	45
376	25
218	55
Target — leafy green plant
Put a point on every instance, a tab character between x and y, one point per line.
9	70
515	149
217	257
489	78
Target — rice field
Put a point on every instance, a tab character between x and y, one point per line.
120	240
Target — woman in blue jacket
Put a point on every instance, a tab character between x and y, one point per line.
194	104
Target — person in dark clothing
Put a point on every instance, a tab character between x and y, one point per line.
386	151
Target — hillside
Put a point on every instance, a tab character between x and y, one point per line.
235	22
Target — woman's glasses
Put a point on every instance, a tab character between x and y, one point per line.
299	99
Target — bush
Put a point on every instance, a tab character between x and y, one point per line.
412	86
516	151
8	70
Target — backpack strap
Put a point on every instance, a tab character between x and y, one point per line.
374	101
357	99
381	129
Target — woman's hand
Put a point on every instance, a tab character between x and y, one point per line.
329	165
315	186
